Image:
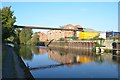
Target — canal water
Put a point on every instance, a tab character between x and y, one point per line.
68	63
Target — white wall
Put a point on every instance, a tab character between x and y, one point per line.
102	35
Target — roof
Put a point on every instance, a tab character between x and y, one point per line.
89	30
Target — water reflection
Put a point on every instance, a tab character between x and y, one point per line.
38	50
116	59
26	53
68	57
46	60
64	55
35	50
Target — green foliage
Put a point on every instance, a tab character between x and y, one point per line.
11	39
34	39
61	39
97	45
0	26
0	17
7	22
15	38
94	49
96	38
25	35
74	38
29	42
108	50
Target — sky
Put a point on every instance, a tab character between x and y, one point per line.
100	16
60	0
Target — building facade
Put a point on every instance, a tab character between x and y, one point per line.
42	36
112	34
57	34
102	35
88	35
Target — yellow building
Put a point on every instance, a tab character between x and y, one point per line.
88	35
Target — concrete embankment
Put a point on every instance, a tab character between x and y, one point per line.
13	66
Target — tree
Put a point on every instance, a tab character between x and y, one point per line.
0	26
25	35
8	21
16	37
0	18
34	39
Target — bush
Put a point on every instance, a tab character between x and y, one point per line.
97	45
74	38
108	50
61	39
94	49
29	42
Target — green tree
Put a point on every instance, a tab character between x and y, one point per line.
34	39
25	35
29	42
8	21
16	37
0	27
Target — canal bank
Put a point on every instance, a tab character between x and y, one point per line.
13	66
98	46
73	44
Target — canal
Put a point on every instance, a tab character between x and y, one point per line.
45	62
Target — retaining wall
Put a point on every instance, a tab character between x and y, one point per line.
82	45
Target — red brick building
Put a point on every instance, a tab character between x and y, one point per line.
57	34
42	36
